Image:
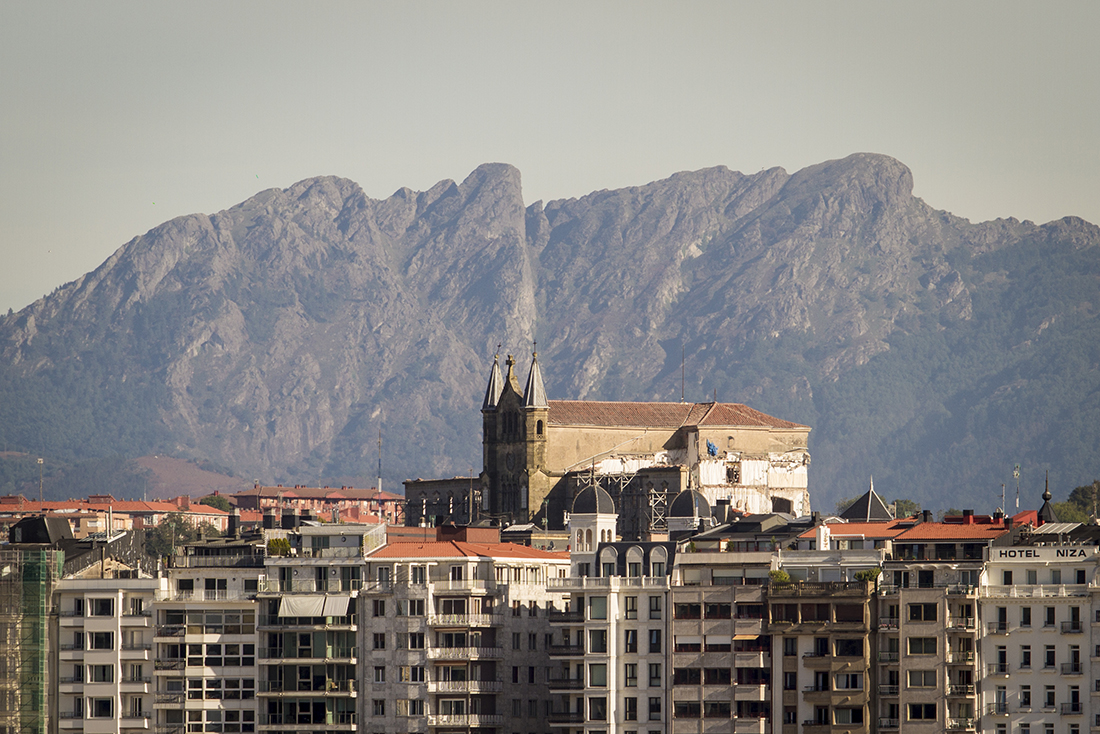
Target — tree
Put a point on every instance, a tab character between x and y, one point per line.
278	547
1085	498
172	532
218	501
1070	512
906	508
779	576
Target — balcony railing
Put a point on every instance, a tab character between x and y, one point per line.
962	623
888	657
960	724
1072	627
1071	669
310	686
466	686
1073	707
565	684
1035	590
1000	708
282	653
465	620
464	653
997	669
169	664
888	623
888	690
997	628
960	689
565	717
960	658
465	719
572	617
171	630
169	697
572	650
887	723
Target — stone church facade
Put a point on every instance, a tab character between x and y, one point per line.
539	453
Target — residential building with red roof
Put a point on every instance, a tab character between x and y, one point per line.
350	503
124	514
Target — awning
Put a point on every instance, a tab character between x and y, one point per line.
718	639
746	637
303	606
336	606
689	640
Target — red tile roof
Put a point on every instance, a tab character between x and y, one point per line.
660	415
459	549
952	531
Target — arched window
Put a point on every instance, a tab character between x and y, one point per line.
588	540
538	428
580	540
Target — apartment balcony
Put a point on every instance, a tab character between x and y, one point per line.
961	590
888	590
889	657
884	723
174	595
296	687
750	692
170	698
750	725
960	658
961	724
819	589
999	708
816	694
465	653
571	617
962	623
170	664
135	721
888	623
1072	669
1072	708
816	661
135	685
996	669
270	622
888	690
168	729
1073	627
581	583
565	684
141	619
468	686
170	632
292	655
960	689
566	651
465	620
286	722
565	718
1027	591
996	628
465	719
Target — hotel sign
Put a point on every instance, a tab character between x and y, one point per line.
1065	553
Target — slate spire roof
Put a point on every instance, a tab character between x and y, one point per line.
1046	512
496	386
534	395
868	508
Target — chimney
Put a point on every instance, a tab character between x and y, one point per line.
968	517
926	516
288	519
269	519
234	523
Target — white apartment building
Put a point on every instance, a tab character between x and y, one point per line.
205	638
455	637
1035	603
105	661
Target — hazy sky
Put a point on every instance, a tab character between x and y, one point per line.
116	116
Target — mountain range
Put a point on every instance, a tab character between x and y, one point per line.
282	336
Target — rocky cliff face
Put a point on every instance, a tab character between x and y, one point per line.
279	336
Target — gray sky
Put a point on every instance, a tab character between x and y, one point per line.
117	116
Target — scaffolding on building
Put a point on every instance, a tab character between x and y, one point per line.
641	509
27	580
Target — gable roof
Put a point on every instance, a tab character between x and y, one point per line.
868	508
660	415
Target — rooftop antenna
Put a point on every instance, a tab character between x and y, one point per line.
1016	474
683	354
379	458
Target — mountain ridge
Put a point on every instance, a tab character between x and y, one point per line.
279	335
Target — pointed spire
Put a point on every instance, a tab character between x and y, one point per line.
496	385
1046	512
534	395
